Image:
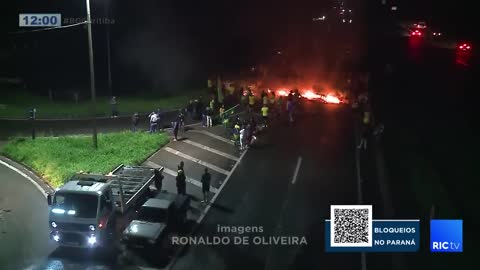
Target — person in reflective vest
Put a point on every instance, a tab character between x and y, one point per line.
366	118
236	132
251	101
265	114
366	130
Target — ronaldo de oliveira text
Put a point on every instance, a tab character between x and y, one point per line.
240	235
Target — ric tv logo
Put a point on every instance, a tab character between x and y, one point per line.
446	235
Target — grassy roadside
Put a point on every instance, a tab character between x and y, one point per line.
16	106
57	159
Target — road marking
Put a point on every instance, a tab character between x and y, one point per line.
25	176
202	216
196	160
213	136
363	255
221	187
278	228
174	174
215	151
299	162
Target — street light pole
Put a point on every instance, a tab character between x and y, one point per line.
92	75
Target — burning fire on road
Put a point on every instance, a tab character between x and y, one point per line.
311	95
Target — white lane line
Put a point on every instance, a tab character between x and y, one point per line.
25	176
174	174
213	136
196	160
215	151
202	216
363	255
299	162
278	228
220	189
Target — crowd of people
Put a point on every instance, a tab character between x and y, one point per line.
260	109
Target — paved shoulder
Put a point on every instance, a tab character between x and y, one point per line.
26	173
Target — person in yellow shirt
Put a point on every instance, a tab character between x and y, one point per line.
251	101
264	111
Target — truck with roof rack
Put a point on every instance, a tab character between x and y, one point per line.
86	211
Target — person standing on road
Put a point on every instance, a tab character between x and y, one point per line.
243	138
212	104
153	121
208	115
176	127
135	121
290	105
206	177
236	132
189	110
251	101
264	98
279	105
263	95
181	180
181	118
114	105
272	99
366	130
221	111
264	111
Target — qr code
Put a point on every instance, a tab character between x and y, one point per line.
351	225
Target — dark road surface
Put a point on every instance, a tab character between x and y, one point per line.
22	222
262	193
429	107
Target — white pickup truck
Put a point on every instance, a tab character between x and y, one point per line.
85	211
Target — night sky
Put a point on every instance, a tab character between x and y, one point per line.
176	44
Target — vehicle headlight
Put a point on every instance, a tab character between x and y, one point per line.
92	239
54	225
91	227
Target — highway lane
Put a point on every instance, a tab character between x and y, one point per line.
22	238
429	106
262	192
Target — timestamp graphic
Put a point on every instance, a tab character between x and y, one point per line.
39	19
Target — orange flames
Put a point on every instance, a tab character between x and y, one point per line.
310	94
